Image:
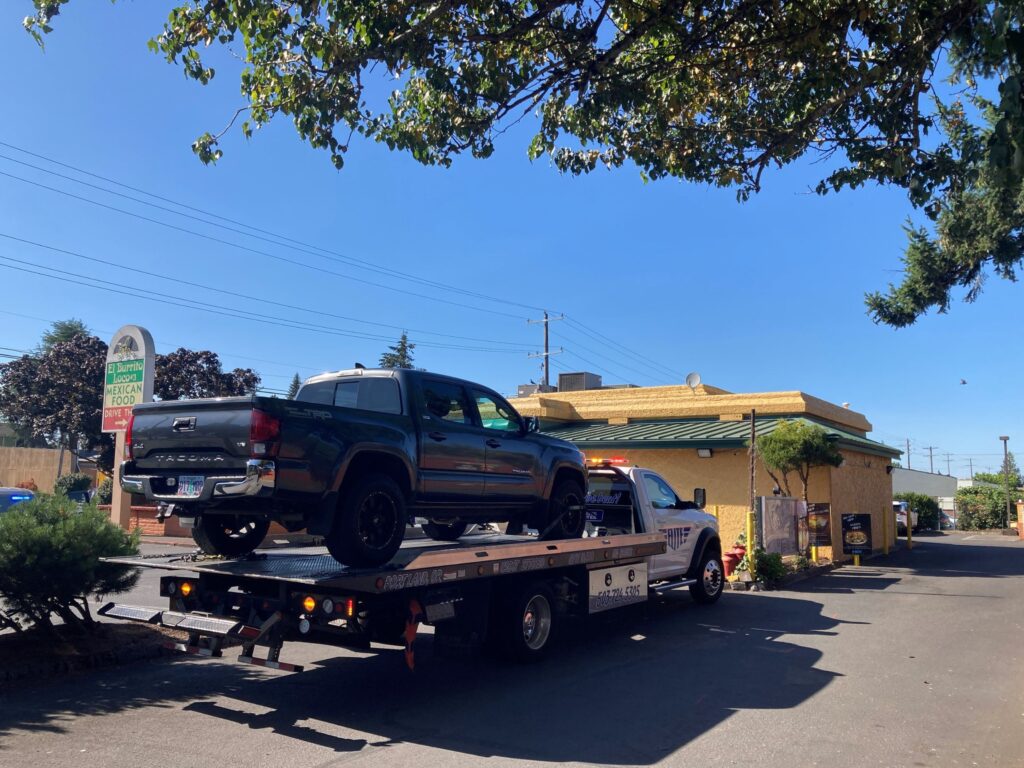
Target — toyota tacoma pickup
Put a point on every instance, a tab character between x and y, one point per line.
352	458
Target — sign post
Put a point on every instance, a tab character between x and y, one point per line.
819	527
128	379
856	529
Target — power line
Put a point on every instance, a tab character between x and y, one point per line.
297	245
229	312
236	355
248	249
262	300
574	343
292	244
626	350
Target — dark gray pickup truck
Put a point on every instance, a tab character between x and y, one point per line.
352	458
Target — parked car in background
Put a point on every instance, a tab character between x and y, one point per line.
11	496
902	509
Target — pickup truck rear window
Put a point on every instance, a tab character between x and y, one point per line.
368	394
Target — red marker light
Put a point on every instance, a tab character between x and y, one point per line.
128	438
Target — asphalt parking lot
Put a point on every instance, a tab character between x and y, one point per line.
917	661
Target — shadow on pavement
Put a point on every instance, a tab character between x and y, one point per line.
623	691
951	555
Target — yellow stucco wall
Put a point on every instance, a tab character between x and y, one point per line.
860	485
39	464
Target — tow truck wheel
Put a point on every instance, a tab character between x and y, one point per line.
229	535
370	524
710	579
566	515
445	532
525	623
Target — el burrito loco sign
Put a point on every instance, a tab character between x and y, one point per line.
128	378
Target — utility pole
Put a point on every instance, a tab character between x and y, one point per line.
931	464
908	453
970	463
1006	477
948	457
547	349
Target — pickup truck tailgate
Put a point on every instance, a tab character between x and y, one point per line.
201	436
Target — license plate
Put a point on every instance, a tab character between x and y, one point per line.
190	485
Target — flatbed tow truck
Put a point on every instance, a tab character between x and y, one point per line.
510	593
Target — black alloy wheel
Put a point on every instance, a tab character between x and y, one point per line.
229	535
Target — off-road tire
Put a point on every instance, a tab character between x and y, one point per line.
710	578
445	532
229	535
369	525
563	523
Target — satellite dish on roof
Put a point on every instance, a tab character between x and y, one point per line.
693	380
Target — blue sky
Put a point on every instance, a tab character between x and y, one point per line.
759	296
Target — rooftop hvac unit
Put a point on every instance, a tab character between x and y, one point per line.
525	390
574	382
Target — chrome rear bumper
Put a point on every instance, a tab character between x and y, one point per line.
259	480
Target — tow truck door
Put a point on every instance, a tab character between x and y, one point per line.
664	511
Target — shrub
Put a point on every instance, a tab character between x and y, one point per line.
926	507
980	508
49	561
105	491
65	484
769	567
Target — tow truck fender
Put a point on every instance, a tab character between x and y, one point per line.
708	538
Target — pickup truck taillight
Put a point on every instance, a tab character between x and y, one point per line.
128	438
264	434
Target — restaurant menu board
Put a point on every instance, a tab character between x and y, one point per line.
819	525
857	534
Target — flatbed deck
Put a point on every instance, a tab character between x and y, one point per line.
419	563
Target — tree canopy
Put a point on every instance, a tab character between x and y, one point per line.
185	374
62	330
1009	466
795	446
712	92
399	355
57	395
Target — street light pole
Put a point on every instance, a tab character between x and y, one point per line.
1006	477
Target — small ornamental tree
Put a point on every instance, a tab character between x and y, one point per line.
926	507
795	446
50	565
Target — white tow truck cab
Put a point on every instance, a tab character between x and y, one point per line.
508	592
623	499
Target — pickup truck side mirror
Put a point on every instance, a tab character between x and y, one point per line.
531	424
699	497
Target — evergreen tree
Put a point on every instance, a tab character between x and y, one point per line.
293	388
400	355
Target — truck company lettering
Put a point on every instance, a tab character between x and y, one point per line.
676	537
396	581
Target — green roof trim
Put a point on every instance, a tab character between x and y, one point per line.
699	433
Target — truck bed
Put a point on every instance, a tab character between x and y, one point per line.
419	563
